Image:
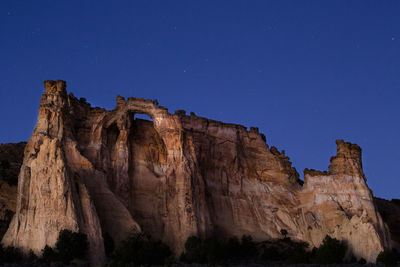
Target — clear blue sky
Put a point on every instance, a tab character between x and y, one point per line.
305	72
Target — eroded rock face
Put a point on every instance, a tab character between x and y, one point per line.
339	203
95	171
390	211
11	156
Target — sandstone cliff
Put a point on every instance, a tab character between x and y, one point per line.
390	211
95	171
11	156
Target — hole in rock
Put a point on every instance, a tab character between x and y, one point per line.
142	116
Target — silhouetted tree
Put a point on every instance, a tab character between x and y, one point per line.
71	245
108	244
140	250
48	254
32	256
248	247
387	257
331	251
194	251
232	248
284	232
10	254
362	261
297	253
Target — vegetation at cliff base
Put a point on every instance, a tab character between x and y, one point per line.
109	245
69	246
10	255
331	251
245	250
139	250
388	257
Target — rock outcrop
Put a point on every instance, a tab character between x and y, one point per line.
97	171
339	203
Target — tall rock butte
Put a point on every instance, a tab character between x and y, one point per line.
96	171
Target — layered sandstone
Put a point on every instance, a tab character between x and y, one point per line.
97	171
339	203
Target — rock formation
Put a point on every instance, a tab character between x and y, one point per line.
339	203
390	211
97	171
11	156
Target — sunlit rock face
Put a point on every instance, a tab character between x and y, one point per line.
97	171
339	203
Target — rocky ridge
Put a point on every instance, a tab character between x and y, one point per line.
97	171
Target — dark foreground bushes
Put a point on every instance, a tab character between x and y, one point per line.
388	257
212	251
10	255
331	251
141	250
69	246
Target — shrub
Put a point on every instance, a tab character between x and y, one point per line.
194	251
248	247
140	250
32	256
213	251
285	250
331	251
48	254
362	261
108	245
271	254
387	257
284	232
71	245
10	254
299	256
352	259
169	261
232	248
297	253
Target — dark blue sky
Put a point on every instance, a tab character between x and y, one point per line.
305	72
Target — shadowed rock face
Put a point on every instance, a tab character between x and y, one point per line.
92	170
390	211
11	156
